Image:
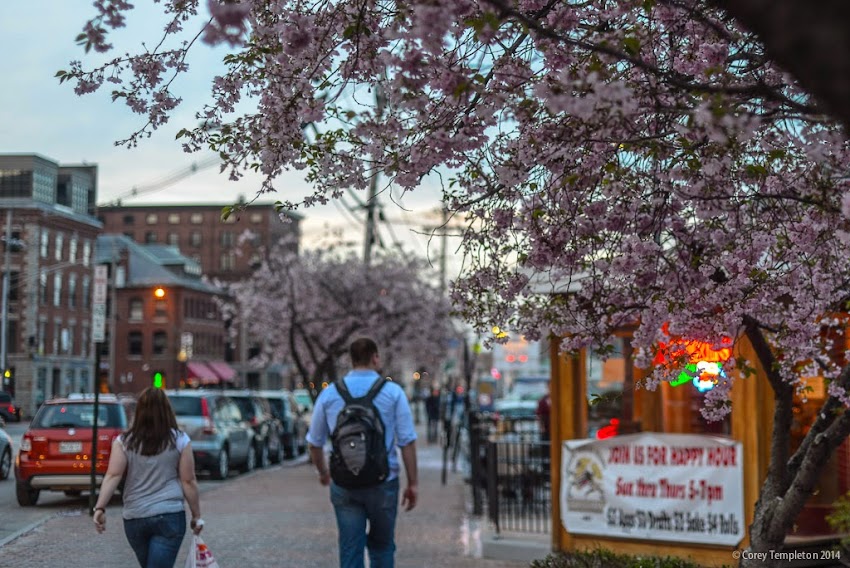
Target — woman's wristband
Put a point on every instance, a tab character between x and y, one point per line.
96	509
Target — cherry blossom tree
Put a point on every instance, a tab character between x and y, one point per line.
307	309
640	163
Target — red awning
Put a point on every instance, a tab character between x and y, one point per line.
224	371
202	372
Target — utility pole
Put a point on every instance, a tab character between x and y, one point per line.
4	325
372	201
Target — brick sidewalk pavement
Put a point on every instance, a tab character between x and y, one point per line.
279	517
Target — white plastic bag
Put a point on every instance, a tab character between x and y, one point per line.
200	555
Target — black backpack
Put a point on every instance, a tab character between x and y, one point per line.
359	453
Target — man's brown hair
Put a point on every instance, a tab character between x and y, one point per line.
361	352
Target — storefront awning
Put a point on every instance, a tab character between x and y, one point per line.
203	373
224	371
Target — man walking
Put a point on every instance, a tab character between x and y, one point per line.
376	504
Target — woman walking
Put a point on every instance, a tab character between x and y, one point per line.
160	468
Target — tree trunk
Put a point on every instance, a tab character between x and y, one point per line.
811	40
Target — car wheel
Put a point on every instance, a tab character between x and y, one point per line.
27	497
289	446
222	466
251	461
265	456
5	464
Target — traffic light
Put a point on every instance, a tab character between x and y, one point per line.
158	380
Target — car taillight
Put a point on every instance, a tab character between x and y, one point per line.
209	426
26	444
12	408
254	421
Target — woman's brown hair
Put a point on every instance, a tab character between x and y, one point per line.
153	427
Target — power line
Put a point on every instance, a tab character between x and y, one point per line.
167	180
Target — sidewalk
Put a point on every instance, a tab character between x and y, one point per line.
277	517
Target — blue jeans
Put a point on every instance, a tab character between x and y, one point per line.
353	507
156	540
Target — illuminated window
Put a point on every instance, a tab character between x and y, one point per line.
152	219
196	218
173	218
256	217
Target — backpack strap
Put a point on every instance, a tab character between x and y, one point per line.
343	390
376	387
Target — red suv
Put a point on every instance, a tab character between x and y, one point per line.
55	452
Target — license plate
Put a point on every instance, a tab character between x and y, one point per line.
70	447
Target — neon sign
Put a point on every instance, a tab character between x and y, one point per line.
705	363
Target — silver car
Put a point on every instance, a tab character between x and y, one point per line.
221	437
5	452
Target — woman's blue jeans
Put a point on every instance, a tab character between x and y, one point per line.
156	540
354	507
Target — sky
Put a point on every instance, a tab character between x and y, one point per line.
38	115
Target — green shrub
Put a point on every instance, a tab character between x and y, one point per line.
602	558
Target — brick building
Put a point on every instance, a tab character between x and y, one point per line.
226	250
166	319
48	212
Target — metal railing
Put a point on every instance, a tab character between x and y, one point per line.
510	471
519	488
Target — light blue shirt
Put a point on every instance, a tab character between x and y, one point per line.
391	403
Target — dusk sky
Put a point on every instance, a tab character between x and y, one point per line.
38	115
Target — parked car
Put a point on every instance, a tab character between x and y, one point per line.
285	408
5	453
267	428
56	448
221	437
9	411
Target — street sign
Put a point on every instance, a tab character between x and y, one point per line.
100	279
186	342
99	304
98	327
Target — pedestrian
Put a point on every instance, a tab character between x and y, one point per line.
160	474
376	504
432	409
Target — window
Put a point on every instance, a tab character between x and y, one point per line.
45	242
136	309
67	340
606	376
129	220
72	290
86	253
195	238
152	219
256	217
86	292
134	343
227	239
72	249
196	218
42	288
57	289
174	239
60	242
84	342
57	332
173	218
160	342
228	260
12	336
150	237
41	339
160	309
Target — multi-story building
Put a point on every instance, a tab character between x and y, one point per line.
225	249
168	329
47	217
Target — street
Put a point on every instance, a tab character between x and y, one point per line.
15	519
